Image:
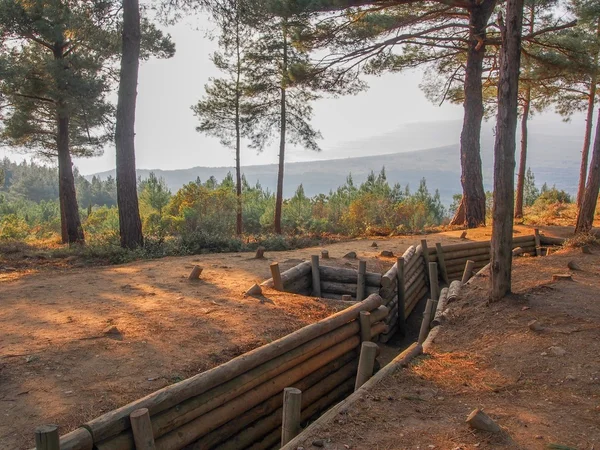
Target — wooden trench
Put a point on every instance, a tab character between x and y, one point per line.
239	404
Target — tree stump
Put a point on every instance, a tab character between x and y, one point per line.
562	277
463	235
195	273
517	251
481	421
260	253
350	255
387	254
374	244
254	290
325	254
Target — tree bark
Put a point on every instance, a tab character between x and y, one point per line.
523	158
283	120
130	224
71	230
587	139
239	228
585	217
504	150
473	200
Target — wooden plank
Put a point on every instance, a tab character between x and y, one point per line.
442	262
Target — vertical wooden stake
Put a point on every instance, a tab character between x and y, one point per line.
316	277
468	272
425	255
366	363
46	438
434	287
292	408
401	297
364	319
538	243
142	429
325	254
360	282
426	321
442	262
276	274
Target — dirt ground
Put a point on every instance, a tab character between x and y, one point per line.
542	387
58	366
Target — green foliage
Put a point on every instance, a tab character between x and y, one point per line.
154	192
13	227
530	191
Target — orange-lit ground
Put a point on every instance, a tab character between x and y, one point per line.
57	366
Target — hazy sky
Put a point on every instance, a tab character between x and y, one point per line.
165	126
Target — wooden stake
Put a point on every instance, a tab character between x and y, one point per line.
260	253
316	275
360	283
46	438
195	273
463	235
142	429
426	321
434	287
276	275
347	298
468	273
401	297
425	254
325	254
538	244
365	326
481	421
442	262
292	413
366	363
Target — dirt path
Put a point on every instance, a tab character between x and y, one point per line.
57	365
542	387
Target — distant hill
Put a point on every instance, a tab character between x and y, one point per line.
553	158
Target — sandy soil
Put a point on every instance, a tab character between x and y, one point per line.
542	387
57	365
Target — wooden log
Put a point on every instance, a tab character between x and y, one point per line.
461	254
401	321
78	439
481	421
365	326
254	290
311	396
142	429
300	285
441	306
332	287
325	254
408	263
518	251
426	255
434	287
441	262
452	264
292	404
378	329
538	244
415	276
389	335
366	363
454	291
379	314
416	299
562	277
415	287
389	278
468	272
114	422
548	240
289	276
361	281
195	273
260	253
424	331
191	431
276	276
343	275
316	275
452	248
46	438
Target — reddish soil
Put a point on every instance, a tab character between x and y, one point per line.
542	387
58	366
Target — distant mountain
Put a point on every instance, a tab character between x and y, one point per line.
553	157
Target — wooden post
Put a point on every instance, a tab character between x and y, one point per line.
538	244
401	297
481	421
426	321
442	262
325	254
195	273
46	438
364	319
260	253
292	412
316	276
346	297
142	429
434	287
366	363
276	274
468	273
360	282
425	254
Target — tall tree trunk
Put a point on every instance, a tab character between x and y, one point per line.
585	217
523	158
71	230
587	139
473	201
239	226
283	123
504	150
130	224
